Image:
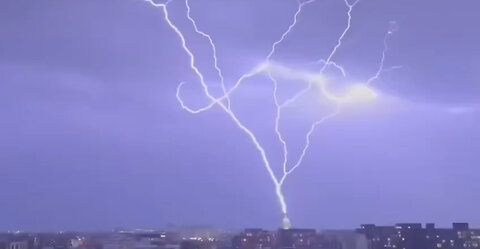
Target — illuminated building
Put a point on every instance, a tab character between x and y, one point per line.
253	239
295	238
414	236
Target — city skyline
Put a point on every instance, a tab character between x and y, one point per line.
366	236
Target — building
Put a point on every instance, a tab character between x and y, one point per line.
414	236
296	238
23	244
342	239
253	239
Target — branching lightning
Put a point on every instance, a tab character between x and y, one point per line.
275	71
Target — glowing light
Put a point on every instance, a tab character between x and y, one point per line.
286	222
356	93
276	71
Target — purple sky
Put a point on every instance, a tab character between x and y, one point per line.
92	136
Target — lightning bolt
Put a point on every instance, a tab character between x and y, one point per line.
381	68
240	125
214	50
276	71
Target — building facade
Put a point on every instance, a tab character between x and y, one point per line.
415	236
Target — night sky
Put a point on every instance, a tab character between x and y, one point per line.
92	136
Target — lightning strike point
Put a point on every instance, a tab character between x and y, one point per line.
286	222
